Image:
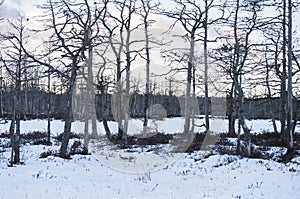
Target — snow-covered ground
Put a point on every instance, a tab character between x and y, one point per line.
144	173
86	177
168	125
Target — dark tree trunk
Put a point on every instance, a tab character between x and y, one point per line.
283	94
147	93
206	68
290	140
68	113
230	113
12	138
187	104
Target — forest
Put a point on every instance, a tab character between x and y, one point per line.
146	78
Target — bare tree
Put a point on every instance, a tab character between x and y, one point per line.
13	60
273	34
269	92
49	94
117	48
223	58
278	34
239	63
193	18
244	49
102	84
146	10
245	22
71	26
120	27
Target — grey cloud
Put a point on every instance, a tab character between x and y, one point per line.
9	9
10	13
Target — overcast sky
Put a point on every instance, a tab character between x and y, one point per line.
12	8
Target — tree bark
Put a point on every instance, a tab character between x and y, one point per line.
68	110
230	112
283	94
147	50
187	104
206	68
290	83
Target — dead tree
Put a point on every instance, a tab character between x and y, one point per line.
193	18
279	36
146	9
119	26
13	60
238	49
223	58
71	24
242	51
192	22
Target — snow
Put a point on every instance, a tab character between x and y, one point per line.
153	172
167	125
86	177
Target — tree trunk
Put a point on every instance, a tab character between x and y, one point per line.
18	113
17	140
86	132
147	93
127	90
238	70
236	73
242	120
49	111
91	92
283	94
290	83
247	136
269	97
12	137
230	113
106	127
193	103
104	111
206	69
295	116
119	115
69	115
187	104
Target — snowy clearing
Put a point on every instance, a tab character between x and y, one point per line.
167	125
149	172
85	177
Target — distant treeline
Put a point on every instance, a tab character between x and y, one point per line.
40	104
